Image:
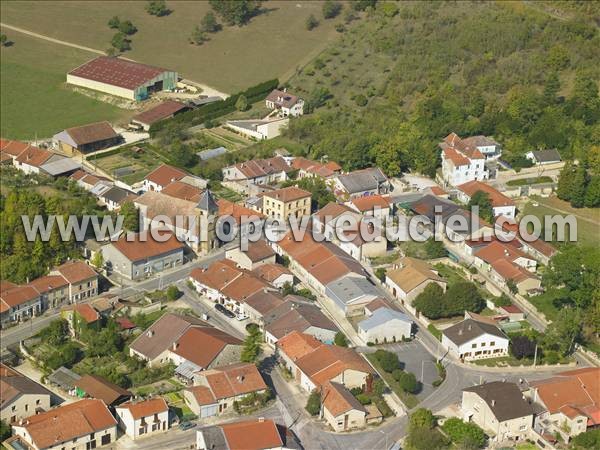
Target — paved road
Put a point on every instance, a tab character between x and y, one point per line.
25	330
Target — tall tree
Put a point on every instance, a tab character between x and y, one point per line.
131	217
235	12
482	200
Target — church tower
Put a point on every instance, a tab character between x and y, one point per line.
208	236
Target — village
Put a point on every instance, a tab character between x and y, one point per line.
195	342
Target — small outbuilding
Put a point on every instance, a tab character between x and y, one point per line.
87	138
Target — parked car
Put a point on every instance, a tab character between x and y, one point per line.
224	311
186	425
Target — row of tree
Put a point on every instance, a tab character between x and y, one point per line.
461	296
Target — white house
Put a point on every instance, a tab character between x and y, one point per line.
385	325
461	162
501	204
259	129
471	339
486	145
287	104
142	418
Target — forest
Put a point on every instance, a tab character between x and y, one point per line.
502	69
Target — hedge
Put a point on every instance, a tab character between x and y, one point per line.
114	151
220	108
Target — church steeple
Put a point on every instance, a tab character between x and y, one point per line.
207	203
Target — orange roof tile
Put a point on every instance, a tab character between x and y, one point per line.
76	271
288	194
218	275
85	310
369	202
183	191
145	408
296	345
252	435
212	340
138	249
202	394
165	174
338	400
270	272
328	361
233	380
497	198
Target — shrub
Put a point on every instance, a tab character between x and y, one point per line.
173	293
340	339
331	9
463	433
360	100
363	399
590	439
389	361
408	382
522	347
313	404
380	274
311	22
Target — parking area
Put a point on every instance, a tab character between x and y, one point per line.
416	359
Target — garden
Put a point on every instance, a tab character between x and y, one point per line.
404	384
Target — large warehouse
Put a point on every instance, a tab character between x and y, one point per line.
122	78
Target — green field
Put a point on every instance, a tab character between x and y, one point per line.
35	100
273	44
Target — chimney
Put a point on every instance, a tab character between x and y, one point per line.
261	419
150	333
460	331
505	252
469	327
240	378
175	345
493	402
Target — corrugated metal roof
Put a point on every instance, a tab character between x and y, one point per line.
382	316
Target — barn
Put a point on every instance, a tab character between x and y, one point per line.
122	78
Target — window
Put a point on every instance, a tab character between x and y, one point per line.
522	427
473	345
492	344
38	401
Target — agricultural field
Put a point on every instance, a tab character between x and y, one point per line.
273	44
35	100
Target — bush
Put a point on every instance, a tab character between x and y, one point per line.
311	22
408	382
380	274
463	433
389	361
173	293
363	399
313	404
588	440
340	339
331	9
360	99
522	347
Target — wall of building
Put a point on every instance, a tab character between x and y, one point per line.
102	87
24	406
481	344
353	418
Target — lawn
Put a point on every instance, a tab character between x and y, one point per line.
273	44
588	219
545	302
35	100
527	181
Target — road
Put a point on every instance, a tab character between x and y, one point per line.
27	329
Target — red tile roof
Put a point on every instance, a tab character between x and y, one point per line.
93	132
165	174
218	275
138	249
97	387
238	212
369	202
49	283
456	158
63	424
252	435
76	271
183	191
296	345
14	148
233	380
288	194
338	400
259	250
159	112
203	395
117	72
261	167
89	314
270	272
497	198
213	342
145	408
34	156
17	296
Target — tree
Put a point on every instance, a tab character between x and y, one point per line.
157	8
4	430
587	440
340	339
198	37
98	260
360	100
408	382
435	249
120	42
422	418
331	9
235	12
114	22
388	360
522	347
551	88
578	188
311	22
251	348
127	27
3	40
592	193
565	331
380	273
482	200
429	302
241	103
463	296
313	404
424	439
209	23
319	191
361	5
464	433
173	293
182	155
131	216
564	190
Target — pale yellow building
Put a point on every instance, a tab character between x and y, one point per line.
287	202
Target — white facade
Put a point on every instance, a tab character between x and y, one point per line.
483	346
455	175
142	426
391	331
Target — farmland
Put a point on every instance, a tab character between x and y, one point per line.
35	100
273	44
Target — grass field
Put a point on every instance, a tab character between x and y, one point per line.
34	99
273	44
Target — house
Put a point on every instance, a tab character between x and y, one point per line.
154	344
461	162
259	129
512	312
500	409
162	111
506	264
82	279
472	339
297	314
486	145
409	277
87	180
188	220
252	434
141	418
19	303
114	197
86	138
216	390
93	386
309	169
258	171
318	263
162	176
327	219
385	325
258	253
122	77
379	302
313	363
274	274
21	396
287	202
285	103
350	294
543	157
570	402
261	303
142	256
80	312
501	204
372	205
360	240
340	408
81	425
182	191
370	181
